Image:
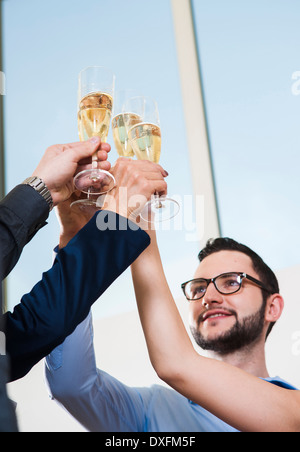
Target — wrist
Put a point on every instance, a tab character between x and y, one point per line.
71	221
64	239
68	230
52	189
119	204
40	187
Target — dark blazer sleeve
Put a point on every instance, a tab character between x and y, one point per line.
81	272
22	213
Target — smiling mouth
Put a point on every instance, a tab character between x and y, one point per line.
214	314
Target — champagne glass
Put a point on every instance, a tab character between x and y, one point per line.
145	139
121	121
95	101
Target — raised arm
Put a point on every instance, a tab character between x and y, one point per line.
216	386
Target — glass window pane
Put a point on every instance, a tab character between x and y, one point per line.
250	67
46	44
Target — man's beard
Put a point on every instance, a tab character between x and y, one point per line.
241	335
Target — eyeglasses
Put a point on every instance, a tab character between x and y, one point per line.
226	283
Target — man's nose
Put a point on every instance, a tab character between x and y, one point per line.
212	296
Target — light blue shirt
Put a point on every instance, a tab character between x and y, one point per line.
101	403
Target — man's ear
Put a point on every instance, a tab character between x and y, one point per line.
275	305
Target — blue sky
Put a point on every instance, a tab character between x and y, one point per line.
249	52
46	44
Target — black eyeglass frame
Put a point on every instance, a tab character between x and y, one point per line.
213	280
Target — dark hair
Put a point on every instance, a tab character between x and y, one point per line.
266	275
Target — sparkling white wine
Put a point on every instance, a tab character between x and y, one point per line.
146	141
94	116
120	124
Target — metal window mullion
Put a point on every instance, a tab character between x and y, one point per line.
195	115
3	288
2	172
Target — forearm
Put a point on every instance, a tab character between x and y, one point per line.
163	327
240	399
97	400
22	213
71	374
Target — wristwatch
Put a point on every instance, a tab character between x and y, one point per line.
41	188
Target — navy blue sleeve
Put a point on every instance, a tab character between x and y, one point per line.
22	213
82	271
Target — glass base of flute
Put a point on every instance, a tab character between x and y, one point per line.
87	206
160	208
94	182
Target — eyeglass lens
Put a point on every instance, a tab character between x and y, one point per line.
226	284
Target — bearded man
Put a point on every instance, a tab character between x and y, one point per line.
234	303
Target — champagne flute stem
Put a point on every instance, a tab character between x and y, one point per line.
94	161
94	174
158	203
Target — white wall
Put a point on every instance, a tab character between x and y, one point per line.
121	351
283	346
